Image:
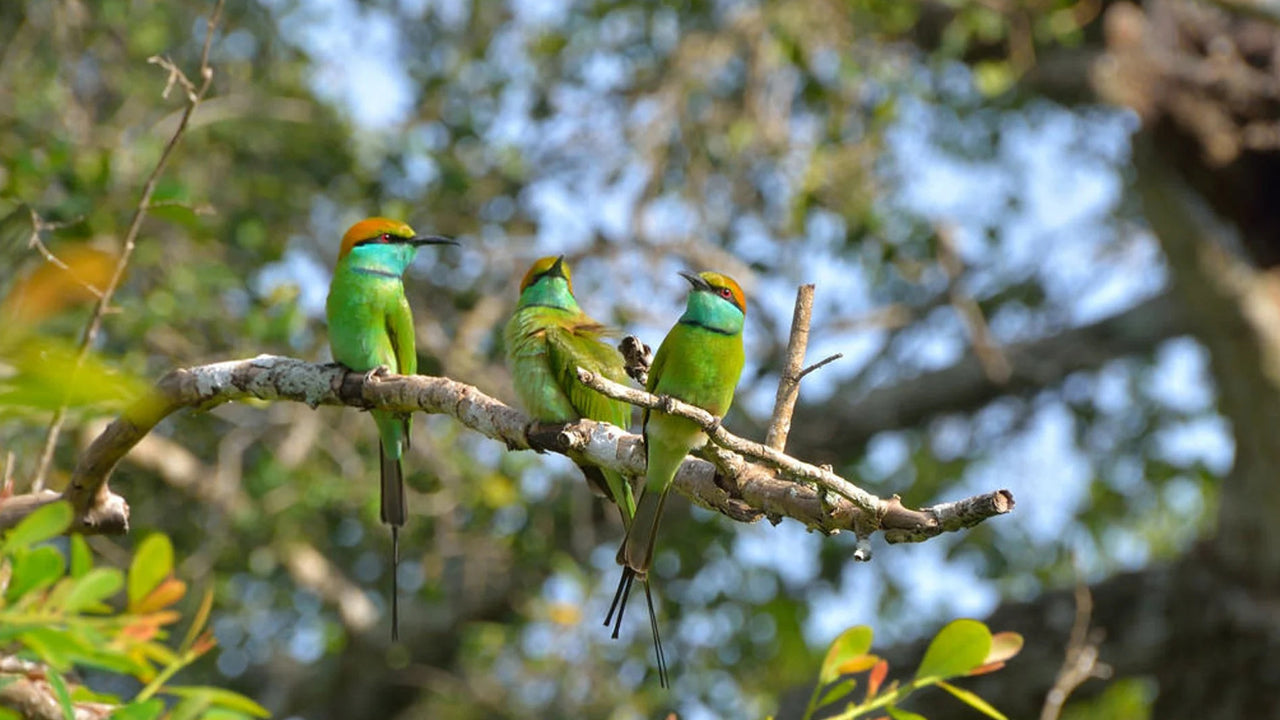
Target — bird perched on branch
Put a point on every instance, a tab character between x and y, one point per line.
699	362
371	331
547	339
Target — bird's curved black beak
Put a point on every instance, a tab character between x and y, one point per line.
557	267
420	240
695	280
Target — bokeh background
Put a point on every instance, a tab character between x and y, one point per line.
1041	233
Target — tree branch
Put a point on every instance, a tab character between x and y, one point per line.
864	511
744	491
25	690
784	405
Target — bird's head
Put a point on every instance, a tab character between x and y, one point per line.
722	287
386	240
547	267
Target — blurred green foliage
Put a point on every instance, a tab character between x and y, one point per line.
761	128
57	610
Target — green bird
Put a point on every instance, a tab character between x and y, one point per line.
547	339
371	328
699	362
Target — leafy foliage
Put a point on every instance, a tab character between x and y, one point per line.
962	648
65	617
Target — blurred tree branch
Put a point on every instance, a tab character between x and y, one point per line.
745	491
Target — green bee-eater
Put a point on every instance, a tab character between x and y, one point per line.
547	339
371	327
698	362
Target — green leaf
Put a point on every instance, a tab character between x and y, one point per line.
836	691
191	707
57	648
60	691
81	556
152	563
98	585
849	644
144	710
47	522
220	697
973	701
34	570
959	647
899	714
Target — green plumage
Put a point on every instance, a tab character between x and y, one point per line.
698	362
547	339
371	327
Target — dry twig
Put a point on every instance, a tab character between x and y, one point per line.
91	329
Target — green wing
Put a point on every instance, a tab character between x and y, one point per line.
566	351
403	345
400	331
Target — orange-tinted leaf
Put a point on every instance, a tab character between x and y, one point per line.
984	669
849	644
1004	645
862	663
876	678
50	288
166	593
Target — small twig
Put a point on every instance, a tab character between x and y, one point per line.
784	403
711	426
990	357
1081	662
821	363
39	225
194	96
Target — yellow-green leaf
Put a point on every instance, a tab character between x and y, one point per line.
34	570
47	522
959	647
97	585
152	563
849	644
81	556
900	714
973	701
220	697
61	693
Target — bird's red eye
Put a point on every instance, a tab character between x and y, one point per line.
726	293
386	237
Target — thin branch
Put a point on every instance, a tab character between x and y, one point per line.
39	225
25	689
993	360
874	512
194	96
1081	662
821	364
784	405
744	490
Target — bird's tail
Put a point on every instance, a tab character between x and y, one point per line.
637	549
393	514
619	606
